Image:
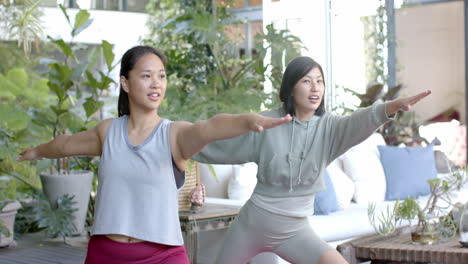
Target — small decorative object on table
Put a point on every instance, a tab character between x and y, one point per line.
197	197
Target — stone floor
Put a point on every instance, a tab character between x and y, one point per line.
37	249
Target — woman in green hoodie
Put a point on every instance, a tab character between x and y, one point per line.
291	160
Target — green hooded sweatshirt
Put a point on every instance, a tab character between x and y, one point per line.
291	158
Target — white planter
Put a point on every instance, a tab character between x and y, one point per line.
77	184
7	216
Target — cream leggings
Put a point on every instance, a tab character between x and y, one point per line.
256	230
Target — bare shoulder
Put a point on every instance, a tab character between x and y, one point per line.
102	128
178	126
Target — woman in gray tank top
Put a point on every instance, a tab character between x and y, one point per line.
143	159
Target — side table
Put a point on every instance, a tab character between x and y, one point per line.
398	248
209	217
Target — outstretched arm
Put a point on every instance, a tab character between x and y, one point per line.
405	103
86	143
189	138
348	131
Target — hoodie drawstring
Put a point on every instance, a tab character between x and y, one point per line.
289	156
302	155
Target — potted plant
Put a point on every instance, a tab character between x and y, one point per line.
8	208
77	93
429	222
19	92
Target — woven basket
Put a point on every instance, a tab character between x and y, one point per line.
192	177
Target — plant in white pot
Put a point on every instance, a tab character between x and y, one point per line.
77	95
8	208
19	92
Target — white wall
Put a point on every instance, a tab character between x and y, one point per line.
306	19
430	55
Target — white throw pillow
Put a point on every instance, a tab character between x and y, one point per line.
344	186
243	181
216	186
362	164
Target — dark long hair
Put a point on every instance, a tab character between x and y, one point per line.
295	70
129	59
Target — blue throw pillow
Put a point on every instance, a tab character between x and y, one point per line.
407	170
325	201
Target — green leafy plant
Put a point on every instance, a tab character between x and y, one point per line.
56	221
20	20
77	86
27	27
387	221
206	75
436	207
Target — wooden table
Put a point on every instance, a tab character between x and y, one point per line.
398	248
209	217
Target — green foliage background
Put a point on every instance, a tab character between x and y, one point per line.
206	76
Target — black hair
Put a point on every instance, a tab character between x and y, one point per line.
129	59
295	70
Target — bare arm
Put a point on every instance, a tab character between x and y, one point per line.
405	103
86	143
187	139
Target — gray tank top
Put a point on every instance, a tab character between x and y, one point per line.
137	191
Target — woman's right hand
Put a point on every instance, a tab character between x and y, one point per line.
29	154
258	123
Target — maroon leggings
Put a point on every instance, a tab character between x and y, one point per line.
102	249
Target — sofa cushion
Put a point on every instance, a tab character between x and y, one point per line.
325	201
242	182
362	164
407	170
216	186
343	185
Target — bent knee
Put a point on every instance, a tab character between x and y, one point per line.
331	256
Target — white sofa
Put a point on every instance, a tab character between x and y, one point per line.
357	176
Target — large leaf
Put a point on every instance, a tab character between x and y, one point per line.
39	92
13	118
72	121
105	81
81	18
19	77
66	49
83	27
9	86
57	221
91	82
91	106
108	54
8	90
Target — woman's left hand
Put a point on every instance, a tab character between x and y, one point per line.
405	103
